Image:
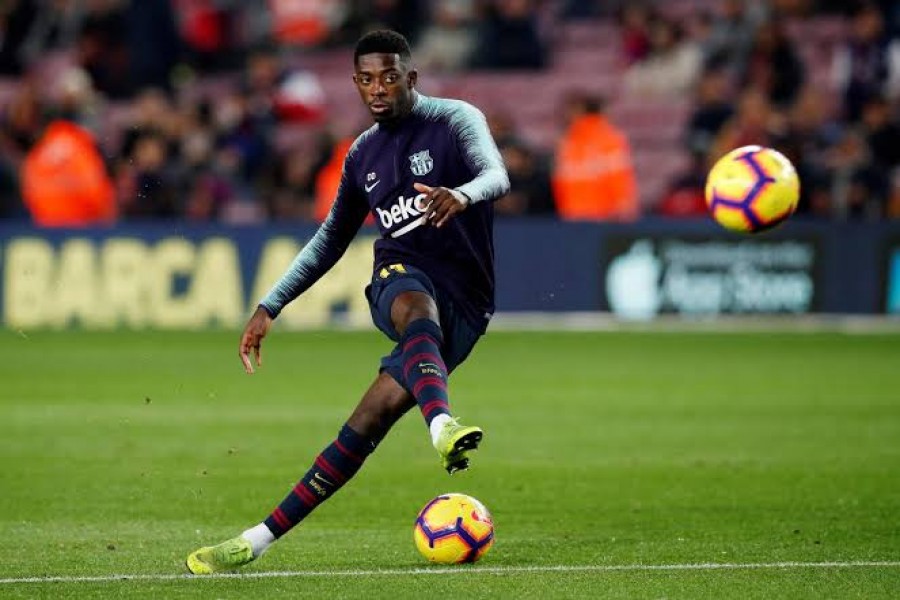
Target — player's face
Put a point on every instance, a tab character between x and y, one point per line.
385	85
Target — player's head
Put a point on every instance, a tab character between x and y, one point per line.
383	74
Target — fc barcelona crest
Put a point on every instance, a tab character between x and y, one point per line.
421	163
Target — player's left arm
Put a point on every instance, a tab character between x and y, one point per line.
479	151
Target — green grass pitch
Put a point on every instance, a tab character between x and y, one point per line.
121	452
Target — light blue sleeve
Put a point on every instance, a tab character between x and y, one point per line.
480	153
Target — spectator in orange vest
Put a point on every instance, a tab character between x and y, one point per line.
593	178
64	179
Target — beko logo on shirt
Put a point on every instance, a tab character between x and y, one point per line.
403	210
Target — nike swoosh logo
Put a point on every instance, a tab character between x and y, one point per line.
322	479
369	188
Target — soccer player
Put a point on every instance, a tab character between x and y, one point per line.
428	170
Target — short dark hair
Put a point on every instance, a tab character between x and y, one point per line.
594	104
383	41
585	102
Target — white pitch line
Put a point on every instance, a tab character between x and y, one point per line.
458	571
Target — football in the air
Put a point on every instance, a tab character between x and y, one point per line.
752	189
454	528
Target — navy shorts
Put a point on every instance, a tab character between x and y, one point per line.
460	334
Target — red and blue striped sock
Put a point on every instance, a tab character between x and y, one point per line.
424	372
331	470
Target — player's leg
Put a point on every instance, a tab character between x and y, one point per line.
422	370
404	307
381	406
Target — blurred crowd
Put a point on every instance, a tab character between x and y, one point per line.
120	131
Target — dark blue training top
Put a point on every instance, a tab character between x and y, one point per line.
441	142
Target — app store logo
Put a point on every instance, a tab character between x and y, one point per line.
632	282
703	276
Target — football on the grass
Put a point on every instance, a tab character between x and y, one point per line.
454	528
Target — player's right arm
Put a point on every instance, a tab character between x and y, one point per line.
315	259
